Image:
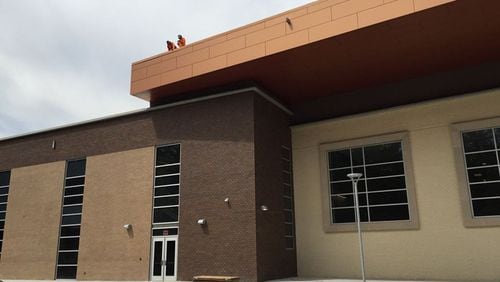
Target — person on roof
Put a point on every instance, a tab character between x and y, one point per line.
171	46
181	42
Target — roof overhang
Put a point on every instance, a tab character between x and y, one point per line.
452	36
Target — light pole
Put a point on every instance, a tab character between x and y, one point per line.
355	178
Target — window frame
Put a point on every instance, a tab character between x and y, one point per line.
463	184
411	224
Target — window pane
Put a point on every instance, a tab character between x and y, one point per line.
167	201
69	243
75	181
75	168
66	272
171	190
385	170
383	153
3	199
485	190
3	207
170	262
4	178
70	231
167	170
479	140
72	209
481	159
389	213
289	242
165	231
4	190
486	207
288	216
347	215
346	187
388	183
73	191
395	197
157	258
67	258
357	156
347	200
174	179
2	224
2	215
73	200
339	159
166	215
168	154
339	174
71	219
483	174
287	203
497	137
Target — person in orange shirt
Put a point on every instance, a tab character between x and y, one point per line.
181	42
171	46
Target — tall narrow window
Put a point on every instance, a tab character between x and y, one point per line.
286	159
4	194
166	184
69	237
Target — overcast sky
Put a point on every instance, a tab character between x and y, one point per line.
64	61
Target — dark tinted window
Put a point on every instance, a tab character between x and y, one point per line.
339	159
488	207
167	170
389	213
166	201
485	190
4	190
69	243
348	216
73	191
75	168
167	180
75	181
389	152
168	154
73	200
67	258
481	159
4	178
165	232
165	214
71	219
66	272
70	231
170	190
479	140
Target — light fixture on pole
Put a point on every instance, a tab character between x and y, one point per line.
355	178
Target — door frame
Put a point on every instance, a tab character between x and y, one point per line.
164	239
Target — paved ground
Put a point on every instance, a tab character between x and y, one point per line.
305	279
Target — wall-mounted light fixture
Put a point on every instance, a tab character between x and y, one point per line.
201	221
226	200
264	208
53	144
127	226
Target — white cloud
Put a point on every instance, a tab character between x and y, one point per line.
67	61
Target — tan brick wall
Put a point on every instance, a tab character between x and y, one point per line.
118	191
32	223
442	248
310	23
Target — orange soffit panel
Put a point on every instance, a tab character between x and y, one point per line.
314	22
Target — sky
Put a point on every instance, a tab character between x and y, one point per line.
66	61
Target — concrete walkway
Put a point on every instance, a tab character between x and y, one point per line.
307	279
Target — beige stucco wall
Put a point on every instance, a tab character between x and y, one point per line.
442	248
118	191
32	223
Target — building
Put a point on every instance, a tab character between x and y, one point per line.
239	166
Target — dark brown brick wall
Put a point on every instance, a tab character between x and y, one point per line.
271	132
230	149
